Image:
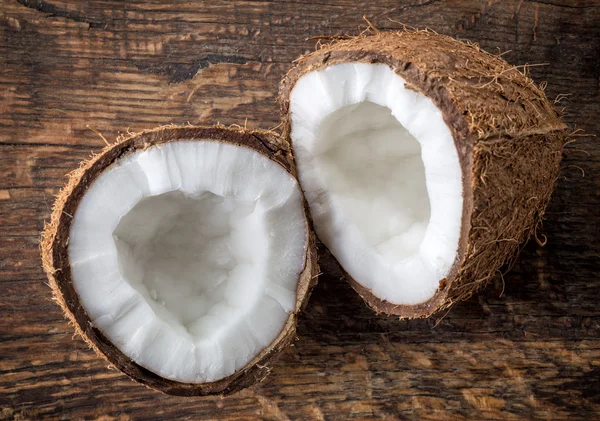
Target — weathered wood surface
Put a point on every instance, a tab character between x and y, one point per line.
532	352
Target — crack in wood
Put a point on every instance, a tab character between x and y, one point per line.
180	72
53	11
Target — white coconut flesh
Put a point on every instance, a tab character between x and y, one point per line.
187	256
381	174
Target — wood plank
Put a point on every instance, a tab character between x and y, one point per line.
526	348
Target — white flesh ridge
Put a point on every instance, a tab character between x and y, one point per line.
187	256
381	174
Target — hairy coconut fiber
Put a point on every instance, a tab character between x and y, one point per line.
55	256
508	136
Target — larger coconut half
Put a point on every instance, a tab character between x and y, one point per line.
425	162
183	256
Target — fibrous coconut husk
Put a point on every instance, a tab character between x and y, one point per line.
55	240
508	136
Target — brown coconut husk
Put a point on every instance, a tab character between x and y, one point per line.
55	258
508	136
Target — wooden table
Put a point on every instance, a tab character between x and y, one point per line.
526	348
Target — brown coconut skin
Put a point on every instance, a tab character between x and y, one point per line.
54	249
508	136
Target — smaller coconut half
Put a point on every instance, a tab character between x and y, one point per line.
183	256
425	162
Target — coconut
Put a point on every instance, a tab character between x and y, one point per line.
183	256
425	161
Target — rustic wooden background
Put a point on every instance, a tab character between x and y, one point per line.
525	349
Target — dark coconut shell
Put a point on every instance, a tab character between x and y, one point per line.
508	136
55	239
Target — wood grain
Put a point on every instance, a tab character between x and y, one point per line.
526	348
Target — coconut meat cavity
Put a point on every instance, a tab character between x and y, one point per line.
187	255
382	178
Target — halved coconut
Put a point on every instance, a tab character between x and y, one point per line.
183	256
424	160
